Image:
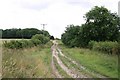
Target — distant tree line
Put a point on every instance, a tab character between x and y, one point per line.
101	25
26	33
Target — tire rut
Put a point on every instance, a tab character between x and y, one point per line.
70	72
55	72
77	64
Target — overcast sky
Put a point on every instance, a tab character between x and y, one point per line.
57	14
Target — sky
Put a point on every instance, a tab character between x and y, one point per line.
57	14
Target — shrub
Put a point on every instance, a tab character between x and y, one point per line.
26	43
90	44
18	44
15	44
40	38
30	43
8	44
36	42
107	46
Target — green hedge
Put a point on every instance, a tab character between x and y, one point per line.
17	44
36	40
106	46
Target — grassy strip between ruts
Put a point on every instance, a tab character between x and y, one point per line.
104	64
32	62
60	70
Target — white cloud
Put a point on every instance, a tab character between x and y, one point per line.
57	14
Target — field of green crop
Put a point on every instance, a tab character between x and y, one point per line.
32	62
104	64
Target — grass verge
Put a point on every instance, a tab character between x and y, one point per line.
70	65
104	64
32	62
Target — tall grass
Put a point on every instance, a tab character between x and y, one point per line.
32	62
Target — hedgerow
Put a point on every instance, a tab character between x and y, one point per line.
15	44
106	46
36	40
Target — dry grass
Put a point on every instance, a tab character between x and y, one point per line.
27	63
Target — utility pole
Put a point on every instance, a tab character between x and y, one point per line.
43	26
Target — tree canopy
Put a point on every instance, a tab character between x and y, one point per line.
23	33
70	36
101	25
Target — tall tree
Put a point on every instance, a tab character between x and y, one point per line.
71	35
101	24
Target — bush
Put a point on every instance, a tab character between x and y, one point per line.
18	44
36	42
90	44
26	43
107	46
13	44
40	38
9	44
